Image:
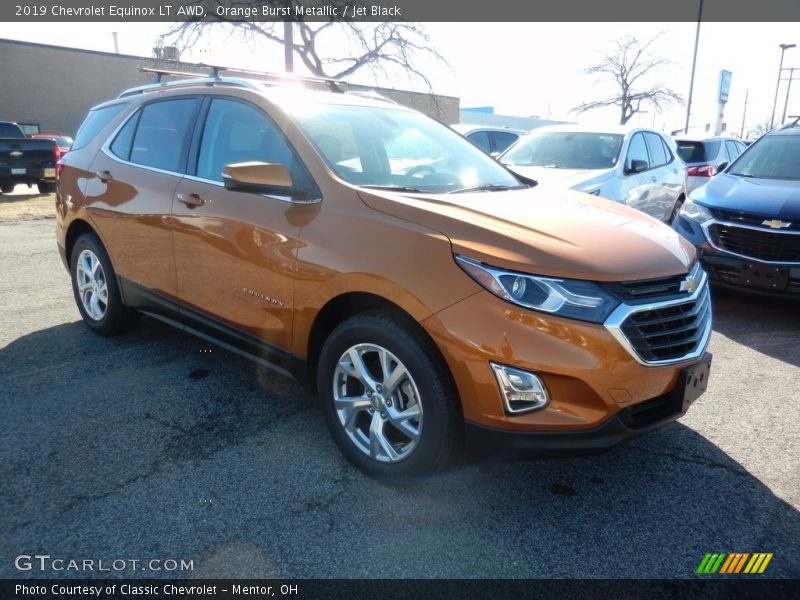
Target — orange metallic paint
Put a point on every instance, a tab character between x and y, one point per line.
396	246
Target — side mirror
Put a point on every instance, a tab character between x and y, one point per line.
637	166
261	178
721	167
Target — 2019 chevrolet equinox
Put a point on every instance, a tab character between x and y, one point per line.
431	297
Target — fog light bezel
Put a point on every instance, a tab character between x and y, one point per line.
506	387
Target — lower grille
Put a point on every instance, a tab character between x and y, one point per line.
650	411
772	246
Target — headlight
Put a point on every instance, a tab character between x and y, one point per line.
695	212
571	298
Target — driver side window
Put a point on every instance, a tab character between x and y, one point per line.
236	132
637	150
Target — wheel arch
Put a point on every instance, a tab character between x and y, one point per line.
76	229
347	305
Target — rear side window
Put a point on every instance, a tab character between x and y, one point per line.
733	149
124	140
95	121
160	134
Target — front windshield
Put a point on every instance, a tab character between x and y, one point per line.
565	150
397	149
773	157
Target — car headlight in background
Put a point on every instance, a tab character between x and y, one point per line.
695	212
571	298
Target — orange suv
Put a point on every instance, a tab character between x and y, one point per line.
433	299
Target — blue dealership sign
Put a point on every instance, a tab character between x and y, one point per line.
724	85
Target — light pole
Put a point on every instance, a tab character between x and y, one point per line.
694	64
784	47
788	87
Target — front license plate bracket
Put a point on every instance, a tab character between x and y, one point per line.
695	380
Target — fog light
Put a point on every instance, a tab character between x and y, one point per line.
522	391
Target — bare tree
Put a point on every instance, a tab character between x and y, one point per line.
630	65
332	48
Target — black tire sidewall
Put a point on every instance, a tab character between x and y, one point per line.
116	313
440	438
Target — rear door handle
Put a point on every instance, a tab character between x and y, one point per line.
104	176
191	200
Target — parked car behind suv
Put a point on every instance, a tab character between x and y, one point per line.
637	167
745	222
427	294
705	158
492	140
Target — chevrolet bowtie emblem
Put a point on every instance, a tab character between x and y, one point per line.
776	224
689	284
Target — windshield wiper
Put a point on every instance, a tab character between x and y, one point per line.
488	187
395	188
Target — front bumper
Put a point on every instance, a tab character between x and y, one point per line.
588	374
623	426
725	269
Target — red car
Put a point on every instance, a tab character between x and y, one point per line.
64	142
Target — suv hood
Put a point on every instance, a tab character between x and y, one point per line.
570	178
771	198
546	231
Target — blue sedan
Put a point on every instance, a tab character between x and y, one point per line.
745	222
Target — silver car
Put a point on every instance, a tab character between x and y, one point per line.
635	166
707	157
492	140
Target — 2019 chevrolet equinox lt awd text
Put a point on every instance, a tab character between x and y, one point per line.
432	298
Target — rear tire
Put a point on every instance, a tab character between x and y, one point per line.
95	287
388	399
46	187
7	188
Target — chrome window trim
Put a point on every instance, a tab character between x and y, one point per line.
287	199
710	222
615	320
106	149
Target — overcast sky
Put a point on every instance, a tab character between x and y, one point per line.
527	69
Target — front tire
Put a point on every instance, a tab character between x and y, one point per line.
387	398
95	287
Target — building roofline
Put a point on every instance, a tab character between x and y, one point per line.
198	65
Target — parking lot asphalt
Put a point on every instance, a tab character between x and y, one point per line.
155	445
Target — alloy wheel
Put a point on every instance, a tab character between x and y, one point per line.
377	402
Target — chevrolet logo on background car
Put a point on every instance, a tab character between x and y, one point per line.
776	224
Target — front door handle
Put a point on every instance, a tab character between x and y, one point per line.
104	176
191	200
